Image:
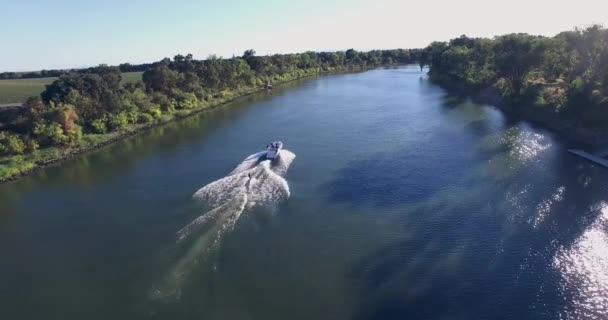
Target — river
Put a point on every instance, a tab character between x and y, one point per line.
402	202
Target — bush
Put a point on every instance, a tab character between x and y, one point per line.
167	105
185	100
99	126
118	121
15	145
577	85
11	144
53	134
31	145
556	98
155	111
65	115
132	116
504	87
540	101
50	133
145	118
74	135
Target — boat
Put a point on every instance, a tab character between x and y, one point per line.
273	149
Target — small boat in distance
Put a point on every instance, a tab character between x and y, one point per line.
273	149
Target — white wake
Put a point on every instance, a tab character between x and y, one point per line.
254	182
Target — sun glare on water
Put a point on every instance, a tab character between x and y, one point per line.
584	270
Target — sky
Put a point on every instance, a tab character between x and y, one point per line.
56	34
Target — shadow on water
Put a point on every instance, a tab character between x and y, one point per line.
391	179
488	249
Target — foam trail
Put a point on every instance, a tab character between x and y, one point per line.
235	206
224	218
249	162
266	183
255	181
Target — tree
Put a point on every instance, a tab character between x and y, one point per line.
515	55
248	54
66	117
160	78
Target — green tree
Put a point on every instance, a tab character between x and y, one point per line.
516	55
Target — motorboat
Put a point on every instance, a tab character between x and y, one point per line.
273	149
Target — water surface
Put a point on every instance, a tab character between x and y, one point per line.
405	203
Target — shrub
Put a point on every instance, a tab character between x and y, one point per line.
132	115
504	87
155	111
540	101
31	145
577	85
15	145
185	100
66	116
74	135
145	118
118	121
99	126
50	133
11	144
167	105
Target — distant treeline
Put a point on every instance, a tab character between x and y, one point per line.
562	78
125	67
95	101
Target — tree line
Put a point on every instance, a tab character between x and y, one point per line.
124	67
565	76
94	102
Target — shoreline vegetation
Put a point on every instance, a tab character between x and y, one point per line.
83	111
560	82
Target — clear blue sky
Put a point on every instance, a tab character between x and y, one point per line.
37	34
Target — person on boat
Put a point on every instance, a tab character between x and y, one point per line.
248	183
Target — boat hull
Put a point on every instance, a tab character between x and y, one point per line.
272	154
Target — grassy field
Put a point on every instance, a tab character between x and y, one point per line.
130	77
15	91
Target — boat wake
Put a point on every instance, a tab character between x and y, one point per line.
253	183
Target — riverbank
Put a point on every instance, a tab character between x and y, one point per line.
15	167
544	116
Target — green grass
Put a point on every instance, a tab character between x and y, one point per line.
131	77
15	165
15	91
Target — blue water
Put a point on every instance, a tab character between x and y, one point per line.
405	203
